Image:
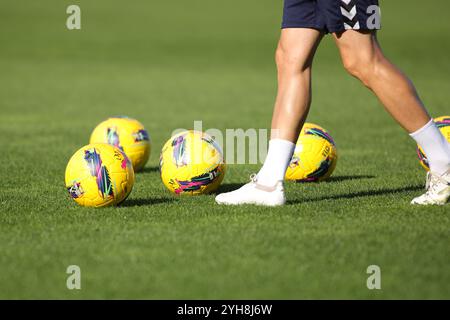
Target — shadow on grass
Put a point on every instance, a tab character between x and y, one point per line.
227	187
149	169
146	202
345	178
361	194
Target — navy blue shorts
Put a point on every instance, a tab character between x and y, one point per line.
332	16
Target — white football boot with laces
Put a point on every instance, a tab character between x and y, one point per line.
438	190
254	193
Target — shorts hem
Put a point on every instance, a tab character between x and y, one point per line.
341	28
333	29
301	25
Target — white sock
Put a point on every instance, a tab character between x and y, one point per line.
435	146
277	161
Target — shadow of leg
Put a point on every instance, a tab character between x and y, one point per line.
227	187
360	194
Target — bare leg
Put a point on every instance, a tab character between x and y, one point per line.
294	59
362	57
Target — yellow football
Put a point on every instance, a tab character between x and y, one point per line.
192	163
443	123
99	175
315	155
127	134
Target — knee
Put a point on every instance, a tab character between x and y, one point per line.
361	67
284	58
289	60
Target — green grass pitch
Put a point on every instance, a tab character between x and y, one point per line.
168	63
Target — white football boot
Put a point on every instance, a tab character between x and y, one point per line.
438	190
254	193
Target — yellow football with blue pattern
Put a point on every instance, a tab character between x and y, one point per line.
99	175
129	135
192	163
315	155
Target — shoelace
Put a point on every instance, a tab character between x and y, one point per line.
433	182
253	178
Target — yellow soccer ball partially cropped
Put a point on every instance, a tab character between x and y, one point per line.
192	163
443	123
127	134
99	175
315	155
